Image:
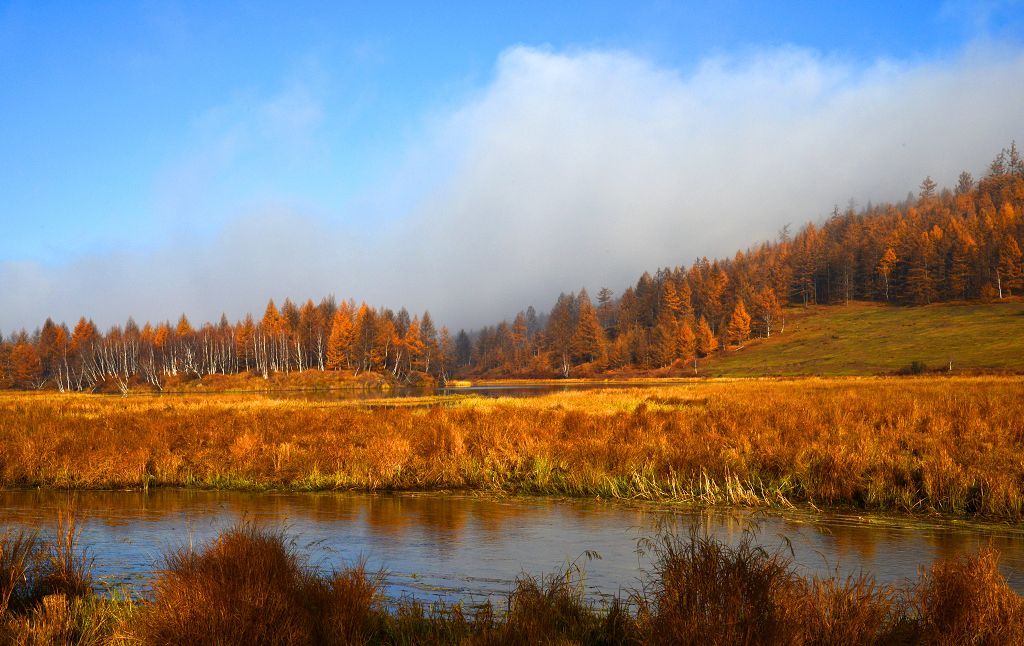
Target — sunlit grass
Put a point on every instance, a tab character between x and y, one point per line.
873	338
914	445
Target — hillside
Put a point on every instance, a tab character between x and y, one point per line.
871	338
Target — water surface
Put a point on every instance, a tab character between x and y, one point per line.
463	547
403	392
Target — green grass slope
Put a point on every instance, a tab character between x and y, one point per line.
870	338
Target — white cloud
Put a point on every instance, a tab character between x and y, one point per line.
580	168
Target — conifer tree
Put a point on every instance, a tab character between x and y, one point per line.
885	267
588	340
767	310
686	342
339	344
738	330
706	342
663	347
1008	271
559	333
26	365
670	303
412	343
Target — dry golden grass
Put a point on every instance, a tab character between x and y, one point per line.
249	587
918	445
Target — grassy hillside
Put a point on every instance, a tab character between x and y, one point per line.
869	338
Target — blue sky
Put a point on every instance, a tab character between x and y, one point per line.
139	136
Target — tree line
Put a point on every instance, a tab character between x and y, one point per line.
962	243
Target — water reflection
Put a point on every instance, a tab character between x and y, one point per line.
471	547
375	392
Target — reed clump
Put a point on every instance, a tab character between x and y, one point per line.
47	594
934	445
707	592
249	587
964	601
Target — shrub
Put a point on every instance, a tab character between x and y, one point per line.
966	600
249	587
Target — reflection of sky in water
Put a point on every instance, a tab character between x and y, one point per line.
467	547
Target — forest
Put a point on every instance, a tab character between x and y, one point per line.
956	244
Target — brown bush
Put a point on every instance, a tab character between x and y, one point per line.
966	600
709	593
249	587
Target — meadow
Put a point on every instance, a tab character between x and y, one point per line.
248	586
873	338
922	445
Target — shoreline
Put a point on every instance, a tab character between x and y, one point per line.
804	512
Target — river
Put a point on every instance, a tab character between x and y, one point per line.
469	548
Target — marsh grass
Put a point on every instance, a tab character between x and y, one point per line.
18	557
249	587
67	569
965	601
931	445
707	592
47	594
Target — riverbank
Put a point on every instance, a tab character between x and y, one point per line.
950	446
249	586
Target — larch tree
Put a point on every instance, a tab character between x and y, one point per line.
606	309
1008	270
767	310
706	342
885	268
686	342
936	245
430	341
386	349
445	354
669	302
559	332
26	366
412	344
588	340
245	337
738	330
339	344
928	186
920	284
363	335
664	342
6	370
311	342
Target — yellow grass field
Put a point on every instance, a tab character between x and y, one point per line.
916	445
